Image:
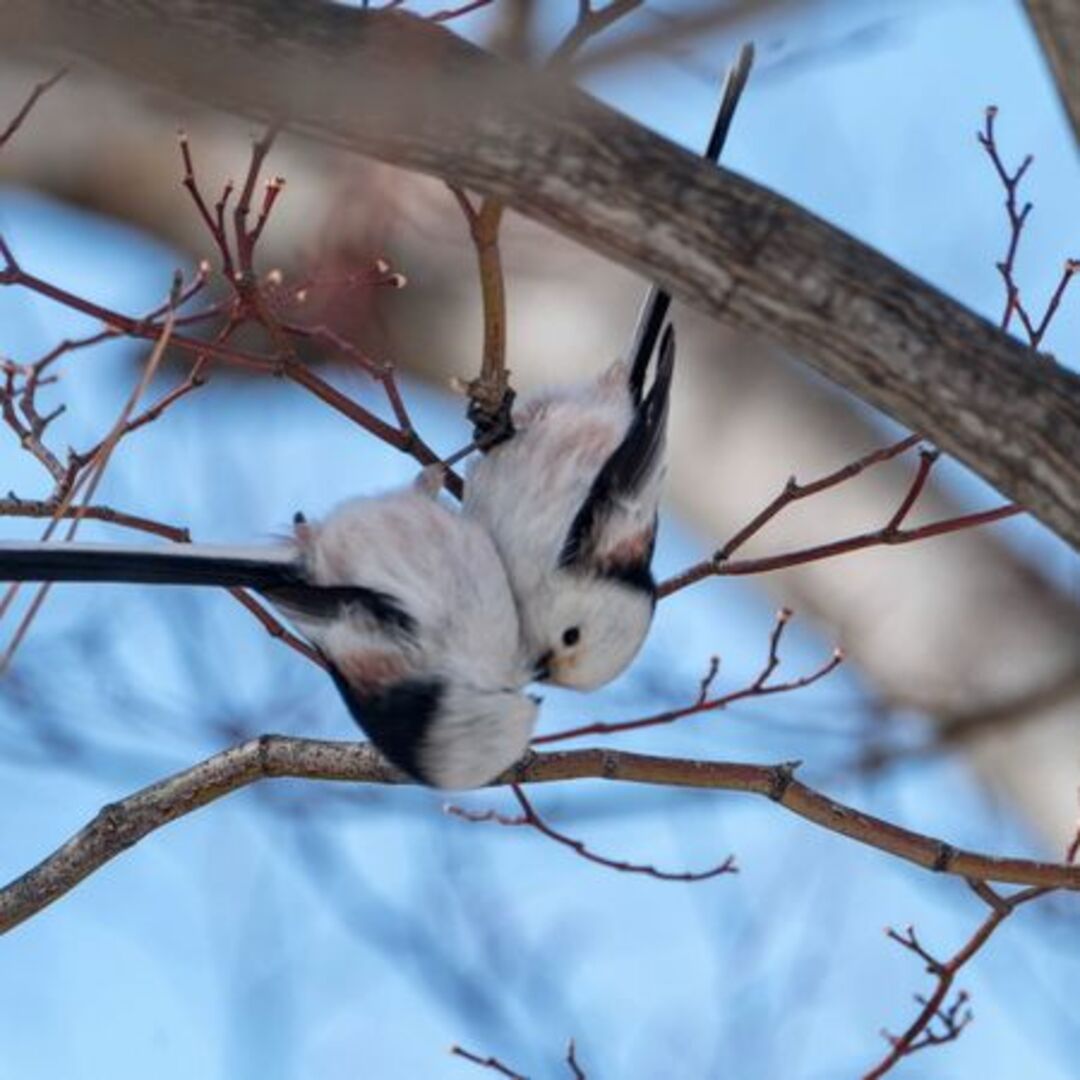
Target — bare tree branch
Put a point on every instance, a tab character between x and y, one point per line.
1057	22
939	1020
403	90
121	824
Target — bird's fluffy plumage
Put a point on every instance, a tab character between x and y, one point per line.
571	503
431	662
408	602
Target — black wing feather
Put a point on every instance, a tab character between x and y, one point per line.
397	720
327	602
630	463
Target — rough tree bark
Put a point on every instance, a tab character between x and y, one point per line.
723	244
1057	23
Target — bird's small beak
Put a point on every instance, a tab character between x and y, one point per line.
542	670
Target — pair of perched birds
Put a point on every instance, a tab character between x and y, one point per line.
432	620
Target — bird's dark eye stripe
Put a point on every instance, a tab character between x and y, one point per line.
571	636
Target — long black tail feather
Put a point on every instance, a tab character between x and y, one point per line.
657	302
180	565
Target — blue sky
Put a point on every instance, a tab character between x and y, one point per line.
289	931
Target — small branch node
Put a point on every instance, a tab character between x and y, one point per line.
782	777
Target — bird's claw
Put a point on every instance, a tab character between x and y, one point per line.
491	425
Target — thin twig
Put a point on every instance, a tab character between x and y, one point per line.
253	303
1017	217
41	88
720	563
88	482
492	1063
531	819
572	1062
275	629
446	14
13	506
952	1017
589	23
406	441
758	687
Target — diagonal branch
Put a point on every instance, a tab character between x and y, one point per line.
433	102
122	824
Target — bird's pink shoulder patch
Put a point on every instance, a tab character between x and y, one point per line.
371	670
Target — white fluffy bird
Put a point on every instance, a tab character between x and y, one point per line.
571	497
571	500
407	601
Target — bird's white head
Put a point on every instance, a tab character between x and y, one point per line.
586	629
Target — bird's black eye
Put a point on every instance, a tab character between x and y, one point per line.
571	636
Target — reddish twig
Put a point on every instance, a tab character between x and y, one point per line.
31	427
759	687
41	88
246	239
275	628
239	271
404	439
951	1017
90	479
446	14
126	325
254	301
794	491
214	223
13	506
531	819
890	534
880	537
1018	217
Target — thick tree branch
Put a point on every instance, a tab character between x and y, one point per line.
120	825
405	91
1057	23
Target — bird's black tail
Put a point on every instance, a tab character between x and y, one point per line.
657	301
184	564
